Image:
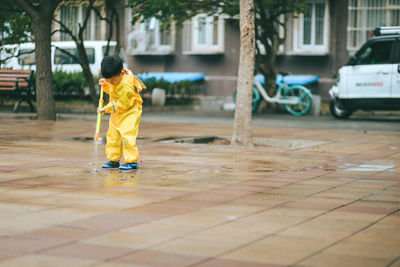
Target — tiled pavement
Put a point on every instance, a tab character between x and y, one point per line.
301	198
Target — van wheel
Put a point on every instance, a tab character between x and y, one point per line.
338	111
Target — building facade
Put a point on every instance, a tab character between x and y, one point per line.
318	42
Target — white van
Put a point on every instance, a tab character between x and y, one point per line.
371	78
60	61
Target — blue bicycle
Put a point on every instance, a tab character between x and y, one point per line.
296	98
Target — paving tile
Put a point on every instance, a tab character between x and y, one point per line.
159	258
116	264
197	204
127	240
59	232
6	254
310	232
334	260
365	250
372	236
87	251
338	214
269	256
112	221
371	207
164	228
24	245
336	225
395	263
198	247
256	200
45	260
235	263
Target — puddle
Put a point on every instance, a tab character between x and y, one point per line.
223	140
257	142
83	139
369	181
211	140
86	139
366	167
286	143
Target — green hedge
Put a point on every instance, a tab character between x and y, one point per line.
71	86
178	93
181	89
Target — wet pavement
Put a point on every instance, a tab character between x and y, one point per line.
310	197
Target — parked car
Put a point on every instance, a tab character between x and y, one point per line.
25	55
371	78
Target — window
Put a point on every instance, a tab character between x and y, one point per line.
366	15
207	32
26	57
149	37
375	53
311	29
71	16
63	58
313	25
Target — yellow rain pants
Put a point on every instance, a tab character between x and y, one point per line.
125	106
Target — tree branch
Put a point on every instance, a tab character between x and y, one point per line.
28	7
82	27
68	53
65	29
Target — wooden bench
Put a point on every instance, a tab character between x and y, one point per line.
17	83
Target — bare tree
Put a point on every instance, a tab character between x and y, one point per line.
41	13
112	22
242	128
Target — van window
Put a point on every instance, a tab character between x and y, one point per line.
396	52
62	58
375	53
26	57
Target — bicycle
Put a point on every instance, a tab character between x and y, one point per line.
296	98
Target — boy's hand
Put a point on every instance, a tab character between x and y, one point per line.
101	110
102	82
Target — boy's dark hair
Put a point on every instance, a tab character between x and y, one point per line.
111	66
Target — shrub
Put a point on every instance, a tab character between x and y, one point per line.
178	93
69	84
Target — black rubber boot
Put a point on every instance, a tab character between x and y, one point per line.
111	164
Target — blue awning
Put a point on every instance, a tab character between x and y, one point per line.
292	79
173	77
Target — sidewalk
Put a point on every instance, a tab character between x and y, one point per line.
300	198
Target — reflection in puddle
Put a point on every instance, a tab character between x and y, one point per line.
367	167
121	179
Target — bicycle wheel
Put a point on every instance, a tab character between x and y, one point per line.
304	103
254	101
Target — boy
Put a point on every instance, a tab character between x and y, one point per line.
125	106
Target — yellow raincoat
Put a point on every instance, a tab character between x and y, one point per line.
125	106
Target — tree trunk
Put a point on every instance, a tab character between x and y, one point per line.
41	14
41	26
242	129
92	89
87	73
